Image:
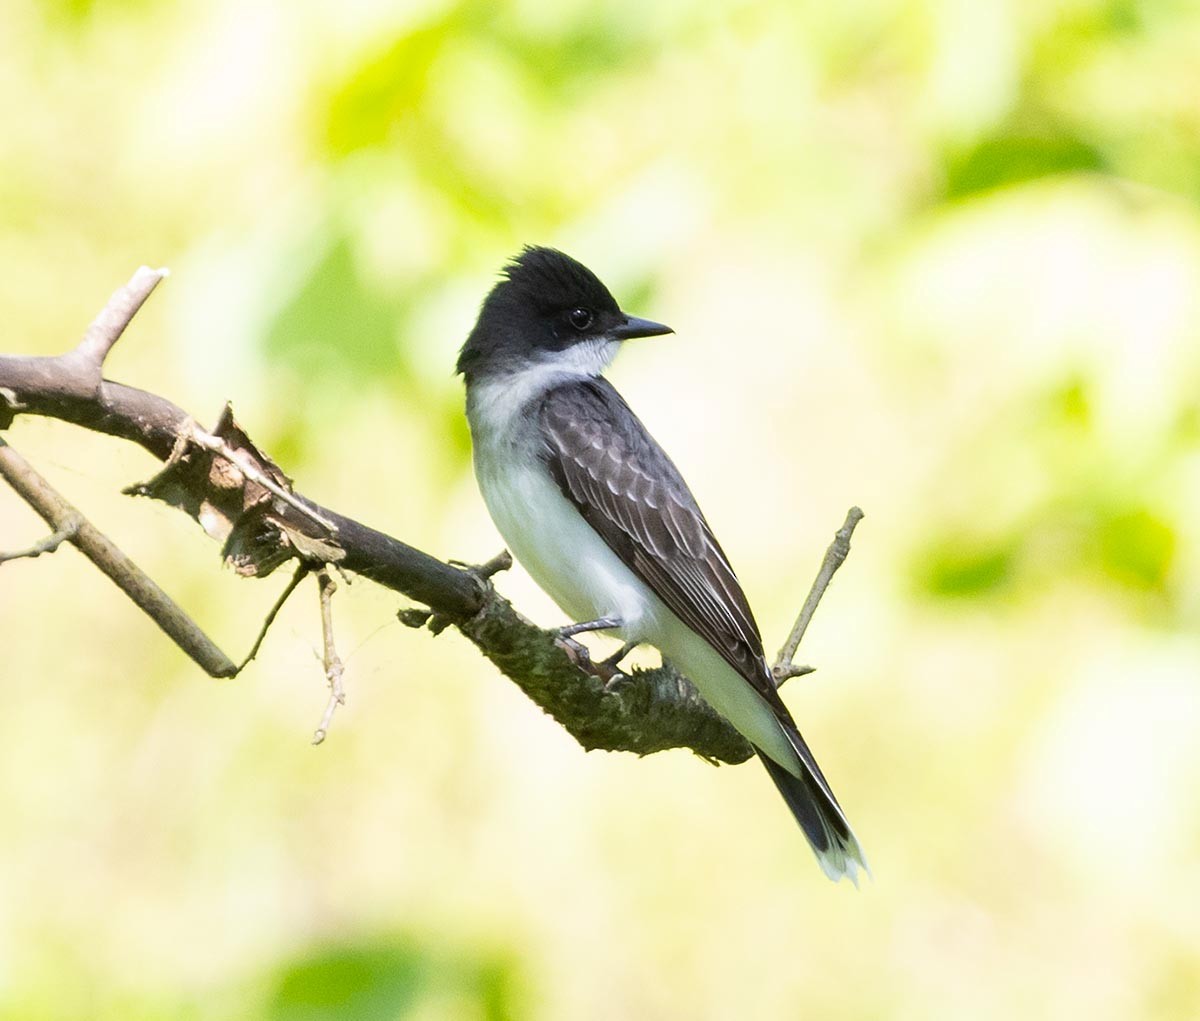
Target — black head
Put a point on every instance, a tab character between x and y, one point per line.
546	306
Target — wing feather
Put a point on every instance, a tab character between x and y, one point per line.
627	488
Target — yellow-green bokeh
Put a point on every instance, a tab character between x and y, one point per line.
938	259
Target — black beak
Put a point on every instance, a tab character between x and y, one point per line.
635	327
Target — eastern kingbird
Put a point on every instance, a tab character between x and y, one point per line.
601	518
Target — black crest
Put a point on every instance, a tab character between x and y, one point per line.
554	281
529	310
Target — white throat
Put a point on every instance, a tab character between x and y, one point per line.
497	402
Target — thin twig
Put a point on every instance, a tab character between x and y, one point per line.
219	447
107	327
333	664
301	571
102	552
502	561
438	622
835	556
46	545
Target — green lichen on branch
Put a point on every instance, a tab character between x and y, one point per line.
647	711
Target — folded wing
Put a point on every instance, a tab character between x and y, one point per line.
631	493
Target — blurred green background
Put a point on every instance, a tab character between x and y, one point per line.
940	259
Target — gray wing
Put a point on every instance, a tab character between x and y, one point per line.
631	493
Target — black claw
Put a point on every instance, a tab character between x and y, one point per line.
613	662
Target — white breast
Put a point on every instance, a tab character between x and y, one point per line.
542	529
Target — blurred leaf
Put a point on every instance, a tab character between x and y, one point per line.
383	91
1187	424
390	980
592	46
76	14
1137	548
1122	17
640	295
69	11
961	568
408	101
1018	156
335	323
456	434
1175	985
350	982
1070	403
1080	28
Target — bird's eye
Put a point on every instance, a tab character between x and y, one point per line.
581	318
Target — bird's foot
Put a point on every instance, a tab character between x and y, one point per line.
576	652
599	624
606	670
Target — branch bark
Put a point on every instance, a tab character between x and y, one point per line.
241	498
104	553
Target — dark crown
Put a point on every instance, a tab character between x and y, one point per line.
553	280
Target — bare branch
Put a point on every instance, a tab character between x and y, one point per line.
333	664
47	545
302	569
102	552
835	556
55	388
650	711
107	327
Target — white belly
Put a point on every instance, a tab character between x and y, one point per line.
558	548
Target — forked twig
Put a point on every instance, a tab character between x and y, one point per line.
49	544
835	556
333	664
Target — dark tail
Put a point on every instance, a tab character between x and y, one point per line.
819	815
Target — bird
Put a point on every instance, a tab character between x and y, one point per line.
598	514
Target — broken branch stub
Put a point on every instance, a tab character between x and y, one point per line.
223	484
